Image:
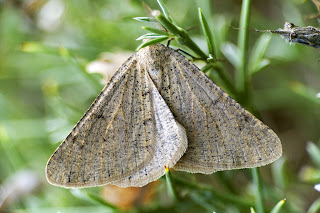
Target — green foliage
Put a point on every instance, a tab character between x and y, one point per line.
278	206
207	32
45	88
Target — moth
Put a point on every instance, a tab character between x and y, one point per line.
159	111
294	34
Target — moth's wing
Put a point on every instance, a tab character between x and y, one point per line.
114	139
171	143
221	134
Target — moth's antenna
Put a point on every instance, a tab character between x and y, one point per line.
284	32
254	30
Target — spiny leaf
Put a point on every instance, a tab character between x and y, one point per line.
256	61
232	53
145	19
170	186
153	30
207	32
151	42
278	206
164	9
151	36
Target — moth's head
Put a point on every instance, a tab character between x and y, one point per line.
154	59
289	26
153	53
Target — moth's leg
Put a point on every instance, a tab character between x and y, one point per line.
182	51
169	41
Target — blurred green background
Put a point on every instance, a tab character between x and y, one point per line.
45	89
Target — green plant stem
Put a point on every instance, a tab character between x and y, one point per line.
259	207
226	80
242	82
222	196
183	37
197	198
242	75
171	189
315	206
164	9
206	68
225	182
99	200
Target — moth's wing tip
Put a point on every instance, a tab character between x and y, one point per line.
49	173
278	152
53	180
276	148
51	177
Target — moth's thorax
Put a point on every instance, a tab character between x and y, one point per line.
154	59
